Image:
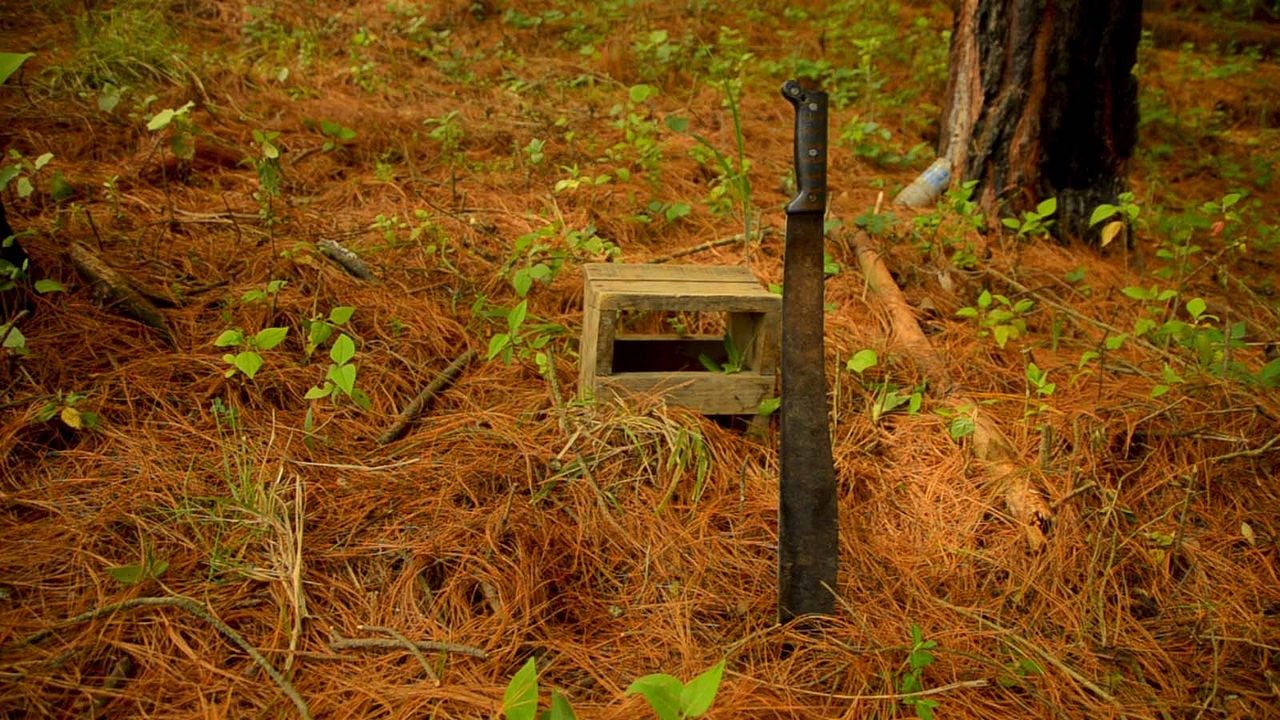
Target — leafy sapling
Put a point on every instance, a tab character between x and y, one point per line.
911	682
1034	223
340	379
248	360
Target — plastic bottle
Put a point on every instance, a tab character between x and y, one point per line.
927	188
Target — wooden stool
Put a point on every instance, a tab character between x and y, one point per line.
614	363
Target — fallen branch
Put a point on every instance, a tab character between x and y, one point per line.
345	259
194	608
1009	475
338	644
415	407
115	291
703	247
413	649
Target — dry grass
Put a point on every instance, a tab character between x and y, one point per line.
512	523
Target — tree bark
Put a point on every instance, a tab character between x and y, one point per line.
1041	102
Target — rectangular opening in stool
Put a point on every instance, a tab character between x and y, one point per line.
681	323
648	353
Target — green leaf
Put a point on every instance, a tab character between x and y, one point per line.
25	188
60	189
522	281
984	300
1137	293
1102	212
341	314
1086	356
268	338
9	173
497	344
516	317
967	312
161	120
1047	207
131	574
769	406
319	393
319	333
229	338
1196	307
960	426
676	123
862	360
10	62
520	701
248	362
344	348
344	376
642	92
361	399
697	696
109	97
1159	390
1002	333
560	708
48	286
663	693
1269	375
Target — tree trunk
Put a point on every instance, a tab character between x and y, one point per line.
1042	102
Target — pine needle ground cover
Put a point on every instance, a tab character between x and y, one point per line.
203	512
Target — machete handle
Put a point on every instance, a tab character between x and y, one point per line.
810	147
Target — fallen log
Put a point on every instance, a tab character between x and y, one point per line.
1010	477
115	292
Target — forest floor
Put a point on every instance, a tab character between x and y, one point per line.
169	532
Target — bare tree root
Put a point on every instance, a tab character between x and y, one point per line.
1010	477
116	292
194	608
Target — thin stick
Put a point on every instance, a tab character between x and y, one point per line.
887	696
422	660
338	644
415	407
194	608
703	247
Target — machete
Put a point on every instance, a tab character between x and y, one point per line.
808	526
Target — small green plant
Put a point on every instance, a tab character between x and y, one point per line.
733	182
335	135
248	360
520	701
675	700
270	174
1038	386
340	379
734	359
263	294
639	146
24	171
64	408
886	396
12	341
320	328
447	131
1118	217
178	129
521	338
149	568
999	316
872	143
961	421
1034	223
911	681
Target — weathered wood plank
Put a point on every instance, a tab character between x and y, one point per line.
707	392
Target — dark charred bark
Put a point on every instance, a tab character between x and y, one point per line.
1042	102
